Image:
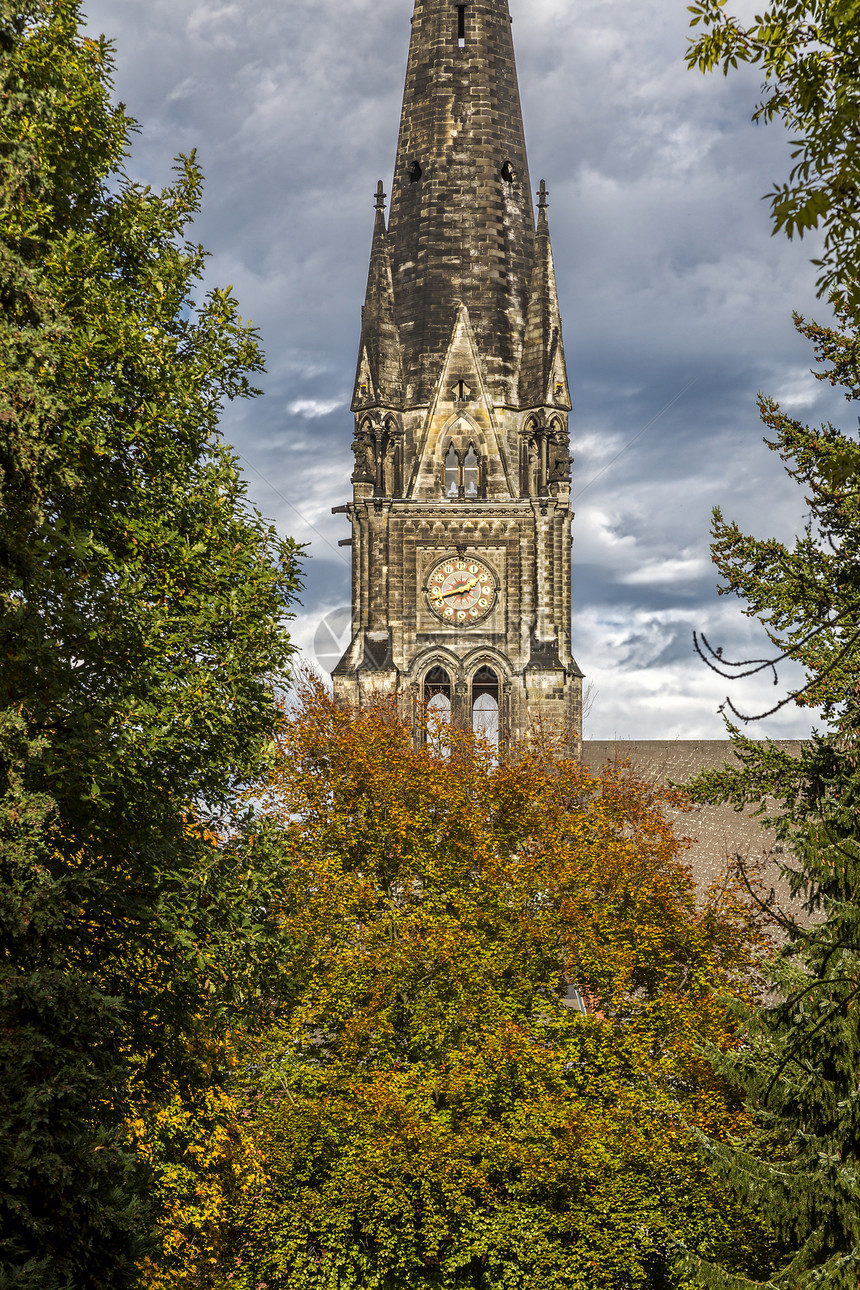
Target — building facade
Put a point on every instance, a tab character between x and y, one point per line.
461	515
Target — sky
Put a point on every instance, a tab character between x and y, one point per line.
677	301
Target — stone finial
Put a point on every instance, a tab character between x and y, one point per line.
379	377
543	376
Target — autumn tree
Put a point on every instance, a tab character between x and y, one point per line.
200	1158
142	606
432	1106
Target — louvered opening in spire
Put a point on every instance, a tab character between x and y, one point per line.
465	232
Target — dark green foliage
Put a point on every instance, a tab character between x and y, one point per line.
800	1067
141	634
72	1214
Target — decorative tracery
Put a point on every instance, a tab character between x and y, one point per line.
545	458
378	449
464	473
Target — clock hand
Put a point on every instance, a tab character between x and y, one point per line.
459	590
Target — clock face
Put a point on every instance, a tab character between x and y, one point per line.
461	591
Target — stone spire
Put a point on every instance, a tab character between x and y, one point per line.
543	376
379	378
461	230
461	443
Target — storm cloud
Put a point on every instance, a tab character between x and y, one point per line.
676	300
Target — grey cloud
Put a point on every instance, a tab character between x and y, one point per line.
666	268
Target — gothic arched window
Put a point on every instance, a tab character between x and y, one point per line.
485	705
463	473
393	472
470	474
437	692
437	709
452	473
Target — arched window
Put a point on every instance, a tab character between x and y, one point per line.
463	473
470	473
485	705
437	710
452	473
437	693
440	707
393	471
397	480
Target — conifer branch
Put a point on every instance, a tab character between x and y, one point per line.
707	653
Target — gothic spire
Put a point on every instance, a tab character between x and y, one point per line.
462	228
543	376
379	378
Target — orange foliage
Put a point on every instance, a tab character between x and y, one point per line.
430	1103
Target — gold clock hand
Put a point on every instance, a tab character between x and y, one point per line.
458	590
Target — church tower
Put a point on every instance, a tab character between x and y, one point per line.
461	519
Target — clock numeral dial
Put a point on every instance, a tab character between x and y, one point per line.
461	591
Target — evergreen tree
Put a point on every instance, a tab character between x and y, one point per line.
800	1068
141	631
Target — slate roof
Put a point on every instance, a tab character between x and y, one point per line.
719	832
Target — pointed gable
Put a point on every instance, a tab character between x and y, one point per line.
543	373
379	378
462	407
